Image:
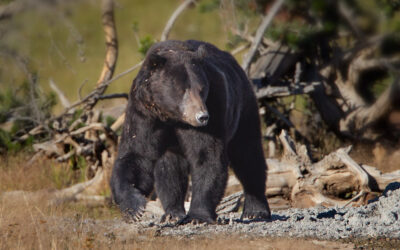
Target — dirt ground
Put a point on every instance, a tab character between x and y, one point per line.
28	221
28	225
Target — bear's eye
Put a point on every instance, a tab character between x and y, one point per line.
180	91
204	92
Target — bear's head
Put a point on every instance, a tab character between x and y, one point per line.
173	85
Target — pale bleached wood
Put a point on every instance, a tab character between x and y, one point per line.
266	21
174	17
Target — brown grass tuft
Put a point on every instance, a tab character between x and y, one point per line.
17	174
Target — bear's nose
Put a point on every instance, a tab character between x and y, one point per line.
202	118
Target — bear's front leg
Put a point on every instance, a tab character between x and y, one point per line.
171	181
132	178
130	182
208	161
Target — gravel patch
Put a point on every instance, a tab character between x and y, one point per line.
377	220
380	218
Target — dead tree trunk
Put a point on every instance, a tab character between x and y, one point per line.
340	101
336	87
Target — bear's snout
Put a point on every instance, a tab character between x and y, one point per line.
196	119
202	118
194	111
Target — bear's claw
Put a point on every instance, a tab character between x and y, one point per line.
132	215
256	216
171	218
195	220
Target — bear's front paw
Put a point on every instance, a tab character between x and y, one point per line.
132	209
132	215
256	208
196	220
172	218
256	215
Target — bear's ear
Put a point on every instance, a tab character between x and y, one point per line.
156	60
201	51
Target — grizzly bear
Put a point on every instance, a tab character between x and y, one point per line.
191	111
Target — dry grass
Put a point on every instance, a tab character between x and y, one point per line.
27	224
27	221
17	174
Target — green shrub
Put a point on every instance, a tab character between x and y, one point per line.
145	43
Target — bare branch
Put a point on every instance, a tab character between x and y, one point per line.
377	63
384	103
95	126
113	96
260	33
362	117
64	101
281	91
35	131
348	16
173	18
94	93
342	153
249	38
280	115
71	192
229	203
129	70
118	123
239	49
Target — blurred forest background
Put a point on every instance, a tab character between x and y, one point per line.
64	40
325	71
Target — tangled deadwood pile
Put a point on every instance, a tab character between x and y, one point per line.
297	181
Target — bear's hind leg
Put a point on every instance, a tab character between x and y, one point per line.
247	161
171	181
